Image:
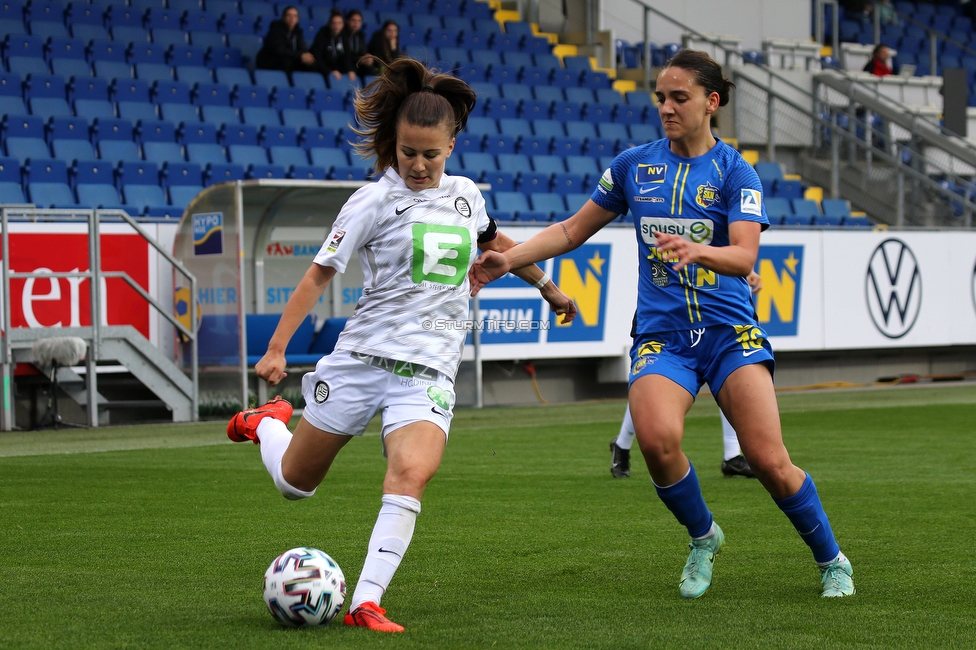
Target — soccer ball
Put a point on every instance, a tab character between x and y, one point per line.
304	587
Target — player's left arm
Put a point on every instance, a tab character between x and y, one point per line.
559	302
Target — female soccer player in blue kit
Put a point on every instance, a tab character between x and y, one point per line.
698	213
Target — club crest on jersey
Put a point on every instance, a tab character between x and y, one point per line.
751	202
321	392
462	206
707	195
337	236
606	181
651	173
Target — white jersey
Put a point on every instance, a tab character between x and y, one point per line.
415	249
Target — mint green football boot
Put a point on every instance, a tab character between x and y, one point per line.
838	579
697	574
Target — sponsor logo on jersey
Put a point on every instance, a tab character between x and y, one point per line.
778	302
699	231
321	392
651	173
894	288
441	254
751	202
642	363
649	199
335	239
606	181
462	206
707	195
583	275
208	233
650	347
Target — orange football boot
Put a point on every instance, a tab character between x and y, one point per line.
371	616
244	425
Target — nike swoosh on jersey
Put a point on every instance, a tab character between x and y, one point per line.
645	190
749	353
399	211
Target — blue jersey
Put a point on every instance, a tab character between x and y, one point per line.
695	198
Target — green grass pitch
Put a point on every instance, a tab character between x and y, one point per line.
158	537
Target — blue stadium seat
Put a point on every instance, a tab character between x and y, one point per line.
328	157
194	74
255	95
548	128
600	147
177	113
788	189
535	144
286	97
501	143
534	182
222	172
72	150
566	111
146	53
100	196
576	200
161	152
45	171
89	88
501	181
25	65
597	113
182	174
288	156
68	68
582	165
478	125
170	92
23	126
66	128
270	79
65	48
48	107
582	130
266	171
515	126
205	153
224	56
231	76
210	94
143	197
836	208
327	100
155	131
479	161
168	38
209	42
777	208
319	137
119	151
567	146
197	133
112	69
515	163
299	117
136	111
260	115
546	202
88	32
579	95
150	72
805	208
217	115
238	134
93	172
548	164
536	109
271	134
111	129
247	155
44	85
51	195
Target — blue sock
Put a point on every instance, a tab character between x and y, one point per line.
808	517
684	500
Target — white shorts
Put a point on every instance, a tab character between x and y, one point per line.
346	390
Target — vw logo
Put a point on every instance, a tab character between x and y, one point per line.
894	288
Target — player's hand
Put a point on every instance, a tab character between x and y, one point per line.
489	266
559	302
755	281
680	252
271	367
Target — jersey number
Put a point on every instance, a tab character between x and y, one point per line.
440	254
749	336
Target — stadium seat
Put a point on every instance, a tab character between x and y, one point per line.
162	152
155	131
238	134
271	134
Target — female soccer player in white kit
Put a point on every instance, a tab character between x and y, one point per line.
415	230
697	215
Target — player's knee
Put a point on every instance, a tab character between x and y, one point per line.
410	480
659	448
291	490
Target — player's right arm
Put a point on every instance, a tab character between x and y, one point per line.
271	367
555	240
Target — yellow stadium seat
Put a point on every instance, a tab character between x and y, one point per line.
814	194
751	156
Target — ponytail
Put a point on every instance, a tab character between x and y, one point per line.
407	90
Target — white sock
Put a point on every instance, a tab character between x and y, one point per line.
387	545
274	437
730	439
625	439
840	557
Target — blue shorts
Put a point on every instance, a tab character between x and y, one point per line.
692	357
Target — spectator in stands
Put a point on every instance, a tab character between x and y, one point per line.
329	49
284	45
887	13
879	63
384	46
355	42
